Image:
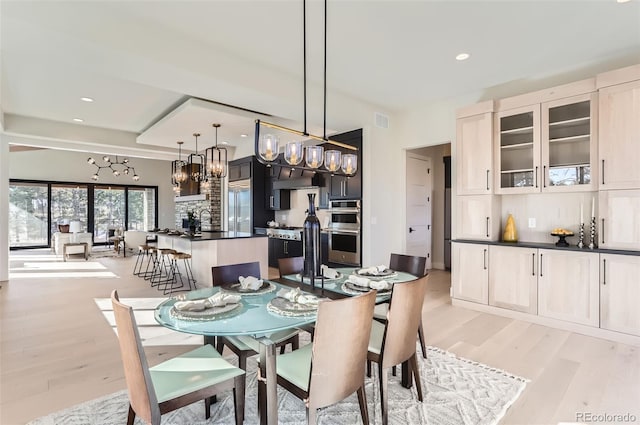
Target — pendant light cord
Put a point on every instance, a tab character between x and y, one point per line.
324	124
304	60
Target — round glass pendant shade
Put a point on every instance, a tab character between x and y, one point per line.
332	160
349	164
314	156
268	147
293	153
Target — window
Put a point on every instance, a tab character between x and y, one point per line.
69	203
28	215
108	211
141	211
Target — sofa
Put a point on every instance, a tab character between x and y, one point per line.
59	239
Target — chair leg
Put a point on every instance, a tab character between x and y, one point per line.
413	360
238	398
295	343
220	345
131	416
207	407
368	368
242	361
393	370
384	381
362	400
421	338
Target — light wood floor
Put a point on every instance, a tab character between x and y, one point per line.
57	350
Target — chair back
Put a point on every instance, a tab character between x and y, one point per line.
142	395
231	272
340	346
408	263
290	265
403	320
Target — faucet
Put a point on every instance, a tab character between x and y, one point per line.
207	210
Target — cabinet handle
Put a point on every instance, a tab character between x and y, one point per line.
327	194
271	201
487	179
544	176
540	265
603	171
286	247
487	226
535	177
604	271
484	258
533	264
602	231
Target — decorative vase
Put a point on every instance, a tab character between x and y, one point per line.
311	242
510	233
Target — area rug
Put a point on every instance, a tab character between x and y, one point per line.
458	391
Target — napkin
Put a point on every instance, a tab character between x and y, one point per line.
250	282
294	295
327	272
373	270
380	285
218	300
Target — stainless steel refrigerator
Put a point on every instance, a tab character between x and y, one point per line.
240	206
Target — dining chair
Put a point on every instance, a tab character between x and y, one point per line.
153	391
333	366
291	265
246	346
414	265
394	341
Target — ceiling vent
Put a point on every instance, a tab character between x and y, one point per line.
381	120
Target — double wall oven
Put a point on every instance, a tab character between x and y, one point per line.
344	232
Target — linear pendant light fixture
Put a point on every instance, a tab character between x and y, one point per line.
335	161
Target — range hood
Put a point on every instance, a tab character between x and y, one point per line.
296	179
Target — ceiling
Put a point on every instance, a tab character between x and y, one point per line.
141	60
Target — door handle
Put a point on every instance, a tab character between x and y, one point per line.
488	179
487	226
535	177
544	176
603	171
604	271
271	202
411	230
286	247
533	264
540	265
602	231
484	258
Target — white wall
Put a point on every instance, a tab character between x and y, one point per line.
4	208
57	165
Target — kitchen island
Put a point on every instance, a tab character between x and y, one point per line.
218	249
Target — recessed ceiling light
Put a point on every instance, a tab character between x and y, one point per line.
86	99
78	120
244	135
623	1
463	56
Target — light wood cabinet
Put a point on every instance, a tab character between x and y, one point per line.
513	280
620	293
474	143
470	272
619	136
568	286
478	217
619	226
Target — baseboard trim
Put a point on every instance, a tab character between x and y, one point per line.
552	323
438	266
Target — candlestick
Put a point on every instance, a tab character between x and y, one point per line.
593	207
581	236
581	213
592	242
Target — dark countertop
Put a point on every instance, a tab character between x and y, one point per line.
213	236
543	245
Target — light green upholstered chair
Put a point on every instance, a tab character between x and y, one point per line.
394	341
333	366
197	375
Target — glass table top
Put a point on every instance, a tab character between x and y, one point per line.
250	318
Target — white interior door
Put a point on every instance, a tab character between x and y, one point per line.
419	201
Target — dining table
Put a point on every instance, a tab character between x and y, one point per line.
257	315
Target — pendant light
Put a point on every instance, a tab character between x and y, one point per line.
266	147
196	164
178	174
216	159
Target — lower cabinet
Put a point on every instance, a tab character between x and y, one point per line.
470	272
282	248
568	286
513	280
620	293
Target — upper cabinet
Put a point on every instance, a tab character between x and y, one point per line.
341	187
517	150
619	136
474	144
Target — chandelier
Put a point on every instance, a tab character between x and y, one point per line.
343	162
196	165
216	159
178	174
116	166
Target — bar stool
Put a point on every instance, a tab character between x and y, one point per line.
143	251
160	274
151	261
175	272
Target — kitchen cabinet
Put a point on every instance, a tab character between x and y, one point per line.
620	293
513	281
619	135
240	171
470	272
474	145
568	286
619	226
324	192
478	217
283	248
342	187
